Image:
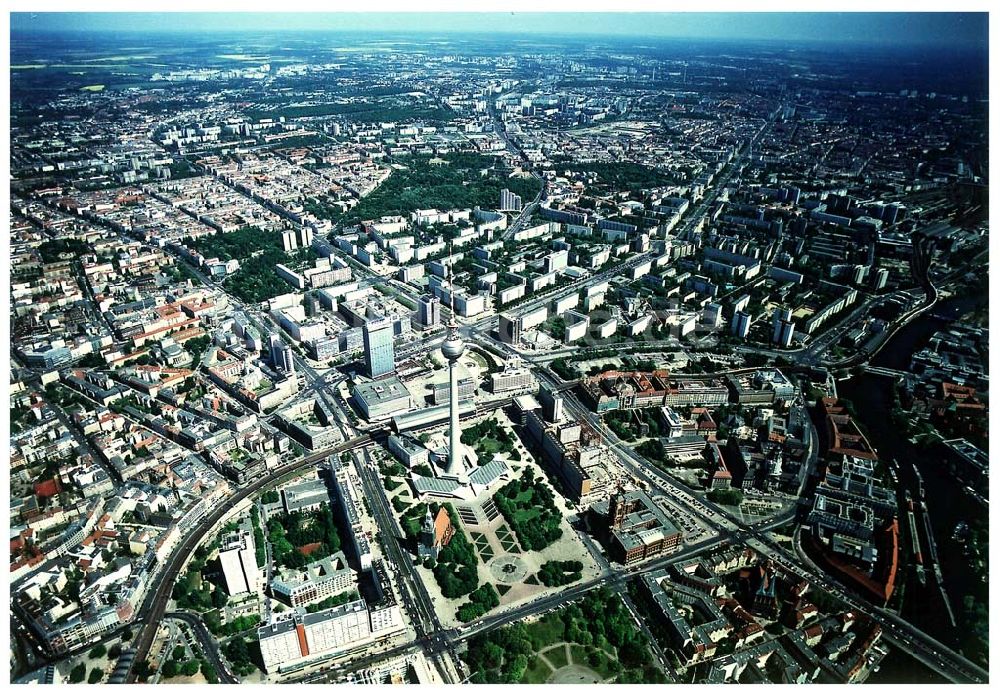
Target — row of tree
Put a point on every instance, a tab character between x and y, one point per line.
481	601
258	538
79	672
560	572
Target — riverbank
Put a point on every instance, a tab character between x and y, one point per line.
872	396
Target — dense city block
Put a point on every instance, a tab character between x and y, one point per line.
373	358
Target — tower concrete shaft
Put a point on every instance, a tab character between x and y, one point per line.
455	463
452	349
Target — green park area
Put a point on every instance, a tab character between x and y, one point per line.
258	253
618	176
243	655
529	508
592	640
488	438
726	496
52	250
412	519
463	181
302	537
628	425
391	472
564	369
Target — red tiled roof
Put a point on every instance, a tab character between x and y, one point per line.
443	530
48	488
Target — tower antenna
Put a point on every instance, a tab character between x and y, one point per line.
451	283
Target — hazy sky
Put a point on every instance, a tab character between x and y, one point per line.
916	28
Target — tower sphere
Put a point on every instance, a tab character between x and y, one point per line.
452	348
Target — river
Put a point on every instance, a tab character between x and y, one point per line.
946	503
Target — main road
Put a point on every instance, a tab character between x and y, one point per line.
414	594
209	646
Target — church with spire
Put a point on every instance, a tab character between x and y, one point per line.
435	533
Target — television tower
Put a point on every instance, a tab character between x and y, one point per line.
452	349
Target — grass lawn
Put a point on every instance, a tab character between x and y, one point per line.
557	656
537	671
507	542
523	498
509	546
579	653
548	630
488	445
526	515
482	546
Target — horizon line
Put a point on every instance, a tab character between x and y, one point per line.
811	40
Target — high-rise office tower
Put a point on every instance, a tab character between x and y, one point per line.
712	315
428	311
781	315
281	355
510	329
552	405
881	278
379	356
783	334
